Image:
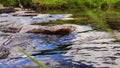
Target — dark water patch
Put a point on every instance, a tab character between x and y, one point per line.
112	57
117	54
114	23
116	47
109	58
48	44
112	63
93	48
85	31
61	49
100	50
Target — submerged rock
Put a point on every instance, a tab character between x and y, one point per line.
64	29
52	30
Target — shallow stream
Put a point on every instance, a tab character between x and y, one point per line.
83	47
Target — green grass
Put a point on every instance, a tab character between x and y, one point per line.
48	4
99	21
62	5
41	65
75	4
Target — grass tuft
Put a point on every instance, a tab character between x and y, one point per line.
33	59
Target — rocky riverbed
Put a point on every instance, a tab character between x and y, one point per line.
58	46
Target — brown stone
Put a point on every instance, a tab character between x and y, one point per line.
60	31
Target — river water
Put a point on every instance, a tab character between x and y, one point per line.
83	47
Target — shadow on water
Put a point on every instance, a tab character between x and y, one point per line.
59	50
51	44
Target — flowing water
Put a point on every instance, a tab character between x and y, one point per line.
83	47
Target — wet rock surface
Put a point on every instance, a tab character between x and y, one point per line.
82	47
